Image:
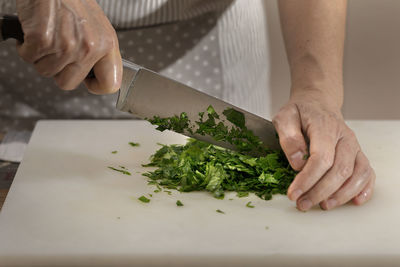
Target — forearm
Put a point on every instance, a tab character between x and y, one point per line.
314	32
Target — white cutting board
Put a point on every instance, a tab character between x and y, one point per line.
67	208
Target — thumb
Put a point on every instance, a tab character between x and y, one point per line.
288	125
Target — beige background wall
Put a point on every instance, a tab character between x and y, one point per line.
372	60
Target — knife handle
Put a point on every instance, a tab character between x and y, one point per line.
12	28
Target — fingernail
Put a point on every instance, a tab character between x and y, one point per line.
331	203
297	159
296	194
305	204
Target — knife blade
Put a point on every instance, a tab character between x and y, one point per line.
146	94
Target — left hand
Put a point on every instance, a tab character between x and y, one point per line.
336	171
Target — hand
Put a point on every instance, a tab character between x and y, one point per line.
65	39
336	170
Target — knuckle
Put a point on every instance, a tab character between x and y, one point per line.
88	45
366	171
294	138
325	159
108	44
351	134
40	39
69	45
276	120
344	172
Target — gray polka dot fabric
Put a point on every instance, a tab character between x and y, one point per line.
186	51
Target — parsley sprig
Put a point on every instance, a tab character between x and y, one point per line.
198	166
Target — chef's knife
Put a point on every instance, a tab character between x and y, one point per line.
146	94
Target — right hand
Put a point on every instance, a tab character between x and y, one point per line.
65	39
337	171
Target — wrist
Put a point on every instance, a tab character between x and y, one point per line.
315	77
330	95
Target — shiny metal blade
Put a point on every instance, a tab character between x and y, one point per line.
146	94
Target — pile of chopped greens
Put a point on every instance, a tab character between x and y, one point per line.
198	166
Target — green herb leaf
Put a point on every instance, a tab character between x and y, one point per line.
144	199
234	116
118	170
179	203
199	166
242	194
134	144
220	211
114	152
249	205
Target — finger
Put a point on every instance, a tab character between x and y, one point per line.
71	76
343	166
67	50
362	174
366	193
288	126
50	65
108	73
35	46
38	36
89	53
322	153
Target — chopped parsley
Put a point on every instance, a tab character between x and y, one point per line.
249	205
220	211
134	144
175	123
242	194
144	199
120	170
114	152
200	166
179	203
